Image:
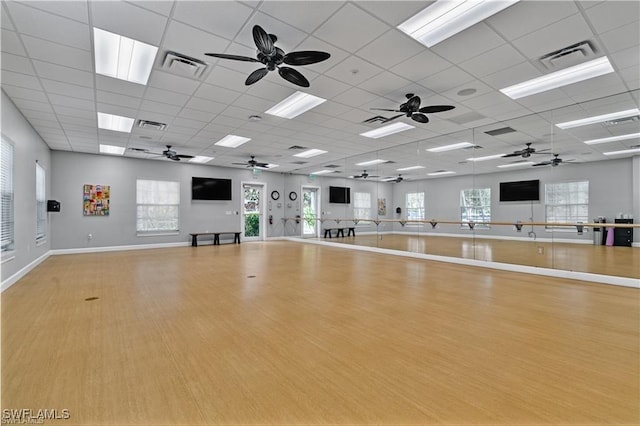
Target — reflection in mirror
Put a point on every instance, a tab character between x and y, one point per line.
528	191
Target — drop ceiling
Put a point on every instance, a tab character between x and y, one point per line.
48	73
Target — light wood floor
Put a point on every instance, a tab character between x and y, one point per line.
616	261
293	333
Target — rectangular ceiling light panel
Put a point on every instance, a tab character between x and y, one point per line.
599	118
321	172
624	151
451	147
387	130
310	153
488	157
200	159
445	18
295	105
116	123
122	57
112	149
444	172
232	141
522	163
404	169
371	163
577	73
613	139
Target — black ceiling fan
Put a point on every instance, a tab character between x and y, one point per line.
412	109
555	161
168	153
253	163
363	175
273	57
396	179
526	152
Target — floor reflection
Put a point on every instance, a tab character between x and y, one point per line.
615	261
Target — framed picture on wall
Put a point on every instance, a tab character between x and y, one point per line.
95	200
382	206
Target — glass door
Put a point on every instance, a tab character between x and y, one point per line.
310	208
252	214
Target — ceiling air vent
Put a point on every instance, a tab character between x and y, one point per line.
331	166
569	56
501	131
474	147
184	65
299	162
296	148
151	125
619	121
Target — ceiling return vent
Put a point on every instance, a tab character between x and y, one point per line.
177	63
569	56
151	125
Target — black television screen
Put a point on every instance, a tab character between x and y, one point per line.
210	188
339	194
524	190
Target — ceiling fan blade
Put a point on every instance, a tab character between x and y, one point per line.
305	57
293	76
420	118
240	164
542	150
234	57
393	118
262	165
413	104
513	154
184	156
255	76
384	109
263	42
435	108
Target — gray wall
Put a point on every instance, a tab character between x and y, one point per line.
70	229
28	148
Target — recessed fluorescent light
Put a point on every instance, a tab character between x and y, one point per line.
200	159
444	19
522	163
444	172
404	169
488	157
310	153
232	141
123	58
599	118
613	139
387	130
111	149
116	123
295	105
560	78
321	172
371	163
625	151
451	147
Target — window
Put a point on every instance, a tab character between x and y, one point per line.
6	183
362	205
41	204
415	205
475	206
567	202
158	206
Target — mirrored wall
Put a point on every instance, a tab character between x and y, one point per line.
524	191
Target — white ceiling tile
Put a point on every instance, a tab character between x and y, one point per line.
75	112
561	34
20	80
445	80
217	93
253	103
68	120
326	87
176	83
353	71
33	105
5	22
74	9
621	38
118	99
39	115
513	75
124	19
337	55
58	53
72	102
494	60
75	91
117	110
223	18
625	58
193	42
469	43
205	105
162	7
204	116
50	27
526	17
631	77
332	109
115	85
421	66
338	30
15	92
165	96
393	12
306	16
604	17
18	64
390	49
159	107
11	43
384	83
64	74
355	97
192	124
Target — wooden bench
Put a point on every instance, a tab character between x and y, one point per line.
340	231
216	237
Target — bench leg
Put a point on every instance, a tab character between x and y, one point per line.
340	232
216	239
352	231
194	241
236	238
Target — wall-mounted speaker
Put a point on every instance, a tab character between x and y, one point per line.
53	206
398	210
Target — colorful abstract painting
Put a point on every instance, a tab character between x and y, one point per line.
96	200
382	206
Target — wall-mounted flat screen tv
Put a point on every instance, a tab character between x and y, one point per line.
339	195
203	188
524	190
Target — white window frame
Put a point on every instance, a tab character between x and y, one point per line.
576	194
41	204
362	205
469	209
420	210
7	193
146	203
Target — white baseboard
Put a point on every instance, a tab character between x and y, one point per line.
635	245
117	248
22	272
498	237
556	273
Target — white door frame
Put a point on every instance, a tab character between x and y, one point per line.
263	209
318	208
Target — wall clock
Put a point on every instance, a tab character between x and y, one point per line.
293	196
275	195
